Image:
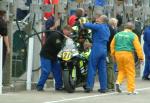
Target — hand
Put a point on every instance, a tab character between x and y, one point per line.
142	62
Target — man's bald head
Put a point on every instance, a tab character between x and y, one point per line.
104	18
129	25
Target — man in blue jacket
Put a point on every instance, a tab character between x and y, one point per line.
147	53
97	59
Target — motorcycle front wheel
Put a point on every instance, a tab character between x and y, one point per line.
69	83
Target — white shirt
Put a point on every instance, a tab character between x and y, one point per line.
69	45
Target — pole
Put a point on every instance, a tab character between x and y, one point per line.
30	63
1	64
142	65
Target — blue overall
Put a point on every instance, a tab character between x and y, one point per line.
97	59
48	66
147	52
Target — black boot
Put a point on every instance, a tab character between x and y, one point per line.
102	91
87	90
118	88
145	78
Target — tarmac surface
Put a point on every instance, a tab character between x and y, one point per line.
51	96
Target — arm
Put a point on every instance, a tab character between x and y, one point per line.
112	49
6	41
91	26
138	48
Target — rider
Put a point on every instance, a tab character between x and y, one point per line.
69	44
3	32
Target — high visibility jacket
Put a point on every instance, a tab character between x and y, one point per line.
122	42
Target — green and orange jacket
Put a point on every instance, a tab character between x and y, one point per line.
126	41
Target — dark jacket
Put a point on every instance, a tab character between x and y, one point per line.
112	33
3	32
3	27
53	45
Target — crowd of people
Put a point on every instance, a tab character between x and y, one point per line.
111	51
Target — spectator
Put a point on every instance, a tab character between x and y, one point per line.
147	53
22	8
110	65
47	15
3	32
119	18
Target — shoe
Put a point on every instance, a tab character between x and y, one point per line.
87	90
111	90
133	93
118	88
102	91
38	88
145	78
59	89
84	87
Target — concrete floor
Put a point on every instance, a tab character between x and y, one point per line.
52	96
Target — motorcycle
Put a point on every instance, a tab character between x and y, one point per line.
74	61
74	69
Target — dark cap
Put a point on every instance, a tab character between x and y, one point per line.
50	23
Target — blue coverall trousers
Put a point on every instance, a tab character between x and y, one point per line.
97	60
48	66
146	72
147	67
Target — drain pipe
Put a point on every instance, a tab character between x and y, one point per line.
142	65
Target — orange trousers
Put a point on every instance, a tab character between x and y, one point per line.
126	69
